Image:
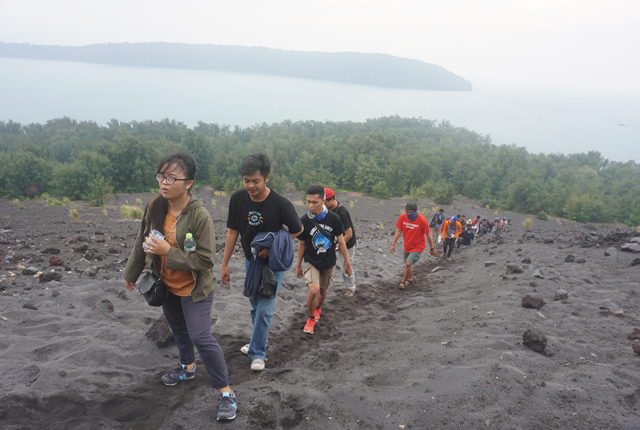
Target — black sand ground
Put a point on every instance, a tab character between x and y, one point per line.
445	353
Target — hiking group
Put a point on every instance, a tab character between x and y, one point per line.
176	242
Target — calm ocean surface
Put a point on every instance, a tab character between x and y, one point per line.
542	119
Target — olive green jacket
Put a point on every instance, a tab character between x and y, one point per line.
193	219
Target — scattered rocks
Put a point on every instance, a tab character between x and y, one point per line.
107	304
49	276
535	340
611	252
630	247
561	295
54	260
160	333
489	263
635	334
81	248
537	274
532	302
30	271
513	269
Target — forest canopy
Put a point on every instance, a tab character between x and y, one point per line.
349	67
384	157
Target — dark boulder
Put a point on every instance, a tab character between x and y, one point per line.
513	269
54	260
160	333
535	340
561	295
630	247
81	248
50	276
532	302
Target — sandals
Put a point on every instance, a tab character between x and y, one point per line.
405	284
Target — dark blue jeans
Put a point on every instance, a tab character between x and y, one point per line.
191	326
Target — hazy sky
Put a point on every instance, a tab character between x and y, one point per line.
581	43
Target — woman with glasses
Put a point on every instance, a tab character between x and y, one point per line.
188	274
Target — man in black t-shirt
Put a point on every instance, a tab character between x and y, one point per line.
349	238
322	229
253	210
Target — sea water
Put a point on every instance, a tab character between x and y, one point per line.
542	119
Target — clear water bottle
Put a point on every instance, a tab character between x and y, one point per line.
154	233
189	243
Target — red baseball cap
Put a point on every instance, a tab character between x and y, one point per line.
328	193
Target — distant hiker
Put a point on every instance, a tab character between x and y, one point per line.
475	225
466	237
450	231
252	210
349	238
187	274
413	227
317	245
436	224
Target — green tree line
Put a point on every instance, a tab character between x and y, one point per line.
384	157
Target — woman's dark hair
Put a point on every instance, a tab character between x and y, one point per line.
254	162
314	189
158	206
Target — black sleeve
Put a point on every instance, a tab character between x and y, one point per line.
290	217
346	221
232	217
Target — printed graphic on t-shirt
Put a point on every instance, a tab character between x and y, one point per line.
321	243
409	225
255	218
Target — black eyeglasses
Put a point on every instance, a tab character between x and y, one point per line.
170	179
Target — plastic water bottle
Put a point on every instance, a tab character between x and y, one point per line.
189	243
154	233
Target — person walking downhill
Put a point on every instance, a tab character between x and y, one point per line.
188	274
349	238
451	229
323	229
253	210
414	228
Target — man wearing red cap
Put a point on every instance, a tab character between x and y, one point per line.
349	237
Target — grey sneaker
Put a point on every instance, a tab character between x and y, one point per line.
178	374
227	408
257	364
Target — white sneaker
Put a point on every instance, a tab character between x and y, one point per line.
245	349
257	364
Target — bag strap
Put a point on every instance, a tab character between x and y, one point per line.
322	230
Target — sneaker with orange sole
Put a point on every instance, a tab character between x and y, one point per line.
310	326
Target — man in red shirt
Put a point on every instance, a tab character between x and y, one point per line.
415	229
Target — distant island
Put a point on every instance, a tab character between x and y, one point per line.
349	67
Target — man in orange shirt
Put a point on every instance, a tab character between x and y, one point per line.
415	229
451	229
